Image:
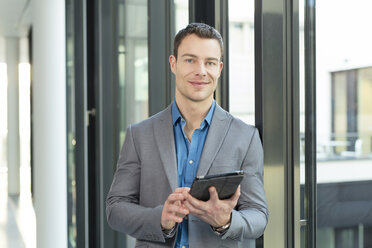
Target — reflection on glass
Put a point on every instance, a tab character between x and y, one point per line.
241	59
132	59
71	129
344	123
132	63
181	8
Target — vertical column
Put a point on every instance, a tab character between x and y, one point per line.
13	151
49	122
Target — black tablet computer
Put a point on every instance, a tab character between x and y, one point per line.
225	183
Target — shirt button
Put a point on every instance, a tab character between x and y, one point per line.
190	162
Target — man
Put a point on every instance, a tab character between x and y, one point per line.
149	198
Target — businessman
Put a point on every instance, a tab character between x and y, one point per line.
149	197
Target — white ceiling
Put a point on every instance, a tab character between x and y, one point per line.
15	17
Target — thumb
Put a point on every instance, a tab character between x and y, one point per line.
236	195
213	194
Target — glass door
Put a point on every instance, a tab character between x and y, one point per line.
342	73
344	123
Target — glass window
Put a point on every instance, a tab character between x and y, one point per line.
181	8
344	122
241	59
346	237
132	58
132	63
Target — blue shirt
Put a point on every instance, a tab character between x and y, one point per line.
188	157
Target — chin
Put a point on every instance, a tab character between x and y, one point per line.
199	99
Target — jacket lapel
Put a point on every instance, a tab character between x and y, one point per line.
164	136
216	134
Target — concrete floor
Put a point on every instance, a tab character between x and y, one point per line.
17	217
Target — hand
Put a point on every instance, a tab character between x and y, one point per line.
173	209
215	212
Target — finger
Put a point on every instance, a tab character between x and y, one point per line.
176	213
236	195
195	203
176	209
213	196
174	218
193	210
181	215
180	190
175	197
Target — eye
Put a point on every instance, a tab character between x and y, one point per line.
189	60
211	63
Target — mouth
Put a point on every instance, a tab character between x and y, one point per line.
198	84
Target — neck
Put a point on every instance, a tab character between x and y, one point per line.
193	112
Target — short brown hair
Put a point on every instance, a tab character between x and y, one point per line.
201	30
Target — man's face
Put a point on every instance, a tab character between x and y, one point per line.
197	68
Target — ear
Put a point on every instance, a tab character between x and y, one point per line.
172	63
221	66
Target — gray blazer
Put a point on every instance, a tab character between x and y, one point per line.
147	173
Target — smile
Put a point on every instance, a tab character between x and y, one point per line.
198	84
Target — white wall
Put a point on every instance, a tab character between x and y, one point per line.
49	122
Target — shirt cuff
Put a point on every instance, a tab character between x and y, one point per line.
221	231
170	233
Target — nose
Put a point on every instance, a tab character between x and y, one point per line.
201	70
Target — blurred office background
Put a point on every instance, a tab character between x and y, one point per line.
75	73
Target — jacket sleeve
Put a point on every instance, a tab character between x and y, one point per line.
123	211
250	216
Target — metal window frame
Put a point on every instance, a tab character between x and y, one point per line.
160	35
277	116
80	99
94	77
107	129
310	187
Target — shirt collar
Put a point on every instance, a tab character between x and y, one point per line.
176	115
209	116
